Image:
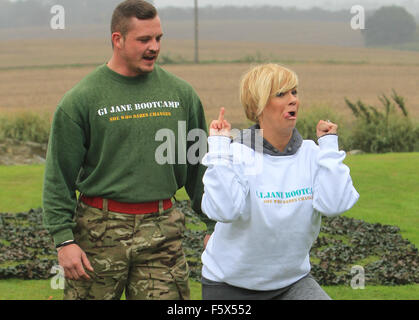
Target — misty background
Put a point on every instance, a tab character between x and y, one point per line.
324	22
331	5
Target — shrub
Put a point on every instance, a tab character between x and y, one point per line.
379	131
28	126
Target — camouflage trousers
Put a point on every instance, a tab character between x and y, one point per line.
139	253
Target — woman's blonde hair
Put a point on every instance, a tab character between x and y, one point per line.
261	83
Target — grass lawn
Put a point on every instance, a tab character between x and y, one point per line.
20	187
389	190
407	292
387	184
18	289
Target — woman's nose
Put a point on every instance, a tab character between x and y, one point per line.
293	99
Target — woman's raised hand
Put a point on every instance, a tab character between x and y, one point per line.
220	127
326	127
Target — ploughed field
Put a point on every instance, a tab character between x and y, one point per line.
34	74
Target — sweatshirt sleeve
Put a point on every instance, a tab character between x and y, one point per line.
197	128
66	151
333	191
225	186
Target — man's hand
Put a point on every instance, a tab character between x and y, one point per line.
326	127
220	127
72	258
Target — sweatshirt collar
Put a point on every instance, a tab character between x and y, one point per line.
125	79
247	137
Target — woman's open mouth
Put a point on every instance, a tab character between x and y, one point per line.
292	115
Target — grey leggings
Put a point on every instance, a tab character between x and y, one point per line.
304	289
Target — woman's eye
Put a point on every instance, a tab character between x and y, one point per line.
294	92
280	94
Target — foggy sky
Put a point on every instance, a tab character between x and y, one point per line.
410	5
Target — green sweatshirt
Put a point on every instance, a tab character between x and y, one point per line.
105	141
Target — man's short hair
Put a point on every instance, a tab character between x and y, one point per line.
261	83
139	9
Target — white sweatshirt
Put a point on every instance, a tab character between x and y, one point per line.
269	209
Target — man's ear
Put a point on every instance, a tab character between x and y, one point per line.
117	40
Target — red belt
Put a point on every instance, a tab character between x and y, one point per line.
124	207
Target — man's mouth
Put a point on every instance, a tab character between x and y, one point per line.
149	58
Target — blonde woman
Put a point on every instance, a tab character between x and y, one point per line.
267	220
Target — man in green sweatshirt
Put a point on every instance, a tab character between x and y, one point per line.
123	231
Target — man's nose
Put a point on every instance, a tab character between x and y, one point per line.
154	45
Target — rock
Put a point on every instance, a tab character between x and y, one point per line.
14	152
39	159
